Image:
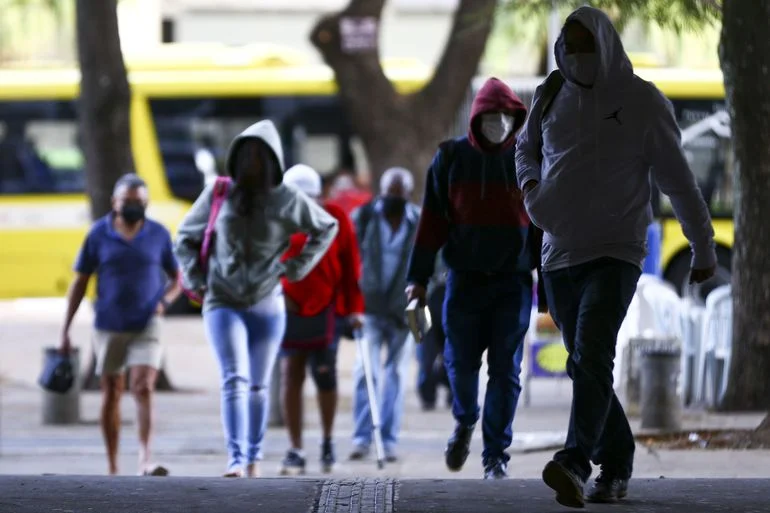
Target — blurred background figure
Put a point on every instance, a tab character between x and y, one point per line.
317	308
386	228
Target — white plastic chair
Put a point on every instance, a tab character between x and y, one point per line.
717	346
640	321
666	307
691	317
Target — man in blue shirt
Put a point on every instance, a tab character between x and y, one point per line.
136	281
385	229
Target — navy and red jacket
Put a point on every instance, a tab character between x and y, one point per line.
473	207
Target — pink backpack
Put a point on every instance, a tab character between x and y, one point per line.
221	187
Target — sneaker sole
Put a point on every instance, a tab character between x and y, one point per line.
606	500
291	472
567	494
455	466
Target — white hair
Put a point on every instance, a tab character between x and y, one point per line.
304	178
396	173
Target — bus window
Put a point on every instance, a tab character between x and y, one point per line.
39	150
195	133
707	143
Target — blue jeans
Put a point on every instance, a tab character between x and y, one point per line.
588	302
487	313
246	343
389	379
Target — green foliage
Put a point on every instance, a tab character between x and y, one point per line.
52	6
676	15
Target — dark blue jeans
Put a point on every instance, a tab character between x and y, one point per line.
588	302
486	313
432	372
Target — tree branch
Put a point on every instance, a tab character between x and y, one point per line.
468	37
361	69
368	97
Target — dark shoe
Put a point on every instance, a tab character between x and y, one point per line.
328	459
607	489
293	464
496	469
458	447
359	452
428	406
391	456
567	485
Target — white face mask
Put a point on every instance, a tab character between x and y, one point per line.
496	127
583	67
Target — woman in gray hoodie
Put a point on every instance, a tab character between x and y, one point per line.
243	308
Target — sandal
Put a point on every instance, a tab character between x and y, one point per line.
155	470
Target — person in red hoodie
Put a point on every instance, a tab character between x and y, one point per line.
316	308
474	215
347	192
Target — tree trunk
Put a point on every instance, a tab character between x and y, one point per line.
104	116
745	60
396	129
104	101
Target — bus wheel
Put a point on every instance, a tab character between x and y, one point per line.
678	274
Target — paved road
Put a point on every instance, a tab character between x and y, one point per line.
77	494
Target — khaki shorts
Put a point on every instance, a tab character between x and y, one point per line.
116	351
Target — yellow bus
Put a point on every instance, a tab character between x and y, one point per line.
188	102
698	98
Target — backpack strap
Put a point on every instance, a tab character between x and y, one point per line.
221	187
365	213
551	88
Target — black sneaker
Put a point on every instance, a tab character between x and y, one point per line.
496	469
293	464
328	459
458	447
607	489
567	485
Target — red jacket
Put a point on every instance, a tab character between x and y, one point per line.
336	276
350	199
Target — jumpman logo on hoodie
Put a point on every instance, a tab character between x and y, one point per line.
615	115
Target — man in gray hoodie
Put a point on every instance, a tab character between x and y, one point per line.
586	167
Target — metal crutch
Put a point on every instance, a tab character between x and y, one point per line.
371	392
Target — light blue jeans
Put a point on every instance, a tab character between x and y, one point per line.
246	343
389	379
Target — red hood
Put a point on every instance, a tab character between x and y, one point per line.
495	96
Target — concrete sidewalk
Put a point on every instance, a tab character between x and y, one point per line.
188	437
78	494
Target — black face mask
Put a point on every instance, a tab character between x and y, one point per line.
132	213
393	205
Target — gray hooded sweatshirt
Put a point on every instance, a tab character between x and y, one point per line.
245	262
600	147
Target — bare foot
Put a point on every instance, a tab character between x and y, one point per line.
234	473
252	469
